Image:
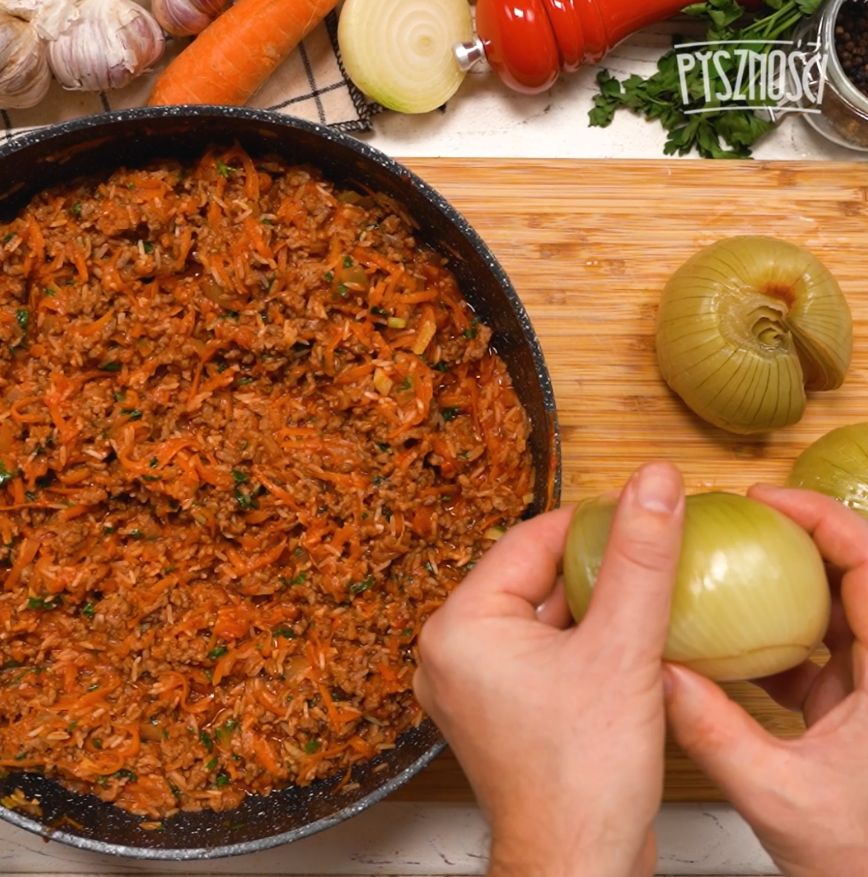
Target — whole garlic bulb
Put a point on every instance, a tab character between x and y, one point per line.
24	73
108	45
183	18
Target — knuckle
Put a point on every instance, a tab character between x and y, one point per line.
432	640
421	688
426	641
443	647
648	552
703	737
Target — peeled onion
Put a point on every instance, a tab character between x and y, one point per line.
746	326
837	465
751	597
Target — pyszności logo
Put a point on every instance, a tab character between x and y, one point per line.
737	75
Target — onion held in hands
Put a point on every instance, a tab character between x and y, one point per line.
837	465
746	326
751	596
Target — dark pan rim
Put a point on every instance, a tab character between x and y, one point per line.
106	122
238	849
22	142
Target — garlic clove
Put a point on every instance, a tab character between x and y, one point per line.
183	18
107	46
24	72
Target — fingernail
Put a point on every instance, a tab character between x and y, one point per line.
658	488
685	685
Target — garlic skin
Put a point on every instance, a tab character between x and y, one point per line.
50	17
24	73
107	46
184	18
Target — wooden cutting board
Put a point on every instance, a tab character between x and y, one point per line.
589	246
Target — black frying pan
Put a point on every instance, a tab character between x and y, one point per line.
101	143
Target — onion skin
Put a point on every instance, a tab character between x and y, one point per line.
746	326
837	465
751	597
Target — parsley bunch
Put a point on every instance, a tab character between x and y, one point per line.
713	134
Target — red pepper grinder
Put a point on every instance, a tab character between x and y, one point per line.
529	42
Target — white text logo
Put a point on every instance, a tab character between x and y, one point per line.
788	77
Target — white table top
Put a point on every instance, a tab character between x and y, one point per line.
407	839
487	120
484	120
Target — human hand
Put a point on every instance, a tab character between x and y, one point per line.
806	799
561	731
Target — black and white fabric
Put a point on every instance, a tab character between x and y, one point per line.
311	84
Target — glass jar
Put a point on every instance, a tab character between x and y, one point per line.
844	116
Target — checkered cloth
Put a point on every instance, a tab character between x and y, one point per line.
311	84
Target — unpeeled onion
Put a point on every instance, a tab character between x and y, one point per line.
837	465
751	597
746	326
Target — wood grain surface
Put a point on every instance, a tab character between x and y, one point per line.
589	246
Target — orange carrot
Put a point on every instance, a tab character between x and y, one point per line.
231	59
286	524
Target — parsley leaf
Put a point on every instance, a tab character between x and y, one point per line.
360	587
697	125
43	604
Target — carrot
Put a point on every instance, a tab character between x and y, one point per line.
288	525
231	59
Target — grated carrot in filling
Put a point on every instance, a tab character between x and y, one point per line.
251	436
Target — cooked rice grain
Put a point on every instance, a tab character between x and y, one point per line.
251	436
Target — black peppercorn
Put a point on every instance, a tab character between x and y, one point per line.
851	42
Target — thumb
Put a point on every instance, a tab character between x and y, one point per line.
633	592
727	743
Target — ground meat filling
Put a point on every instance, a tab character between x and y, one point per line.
251	435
